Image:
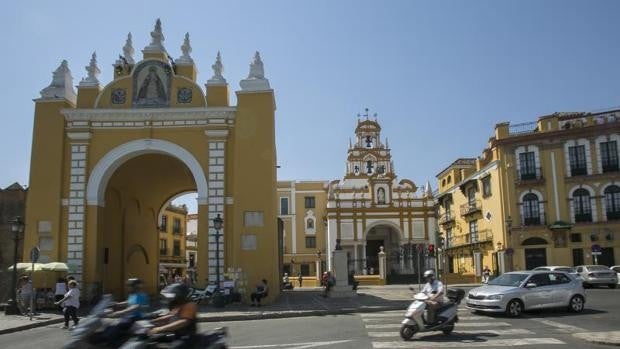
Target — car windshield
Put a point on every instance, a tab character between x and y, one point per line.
508	280
597	267
542	268
568	270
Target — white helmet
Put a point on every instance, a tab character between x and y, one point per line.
429	273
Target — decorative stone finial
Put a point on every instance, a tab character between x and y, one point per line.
256	79
157	39
186	49
128	50
218	69
93	70
428	192
61	86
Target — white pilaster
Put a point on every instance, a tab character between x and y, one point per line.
215	183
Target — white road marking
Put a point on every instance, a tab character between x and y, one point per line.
464	318
293	345
493	343
515	331
458	325
568	328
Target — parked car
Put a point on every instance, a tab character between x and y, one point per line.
597	275
616	268
514	292
563	268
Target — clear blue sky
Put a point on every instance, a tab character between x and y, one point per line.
440	74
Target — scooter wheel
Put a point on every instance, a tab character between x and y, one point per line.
448	329
407	332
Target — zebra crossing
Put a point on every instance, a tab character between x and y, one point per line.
471	331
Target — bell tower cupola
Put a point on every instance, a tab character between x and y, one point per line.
368	156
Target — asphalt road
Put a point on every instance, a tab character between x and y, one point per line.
543	329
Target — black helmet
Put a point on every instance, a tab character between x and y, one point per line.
134	282
175	294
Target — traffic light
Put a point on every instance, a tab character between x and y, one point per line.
431	250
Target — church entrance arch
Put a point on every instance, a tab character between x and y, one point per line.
128	187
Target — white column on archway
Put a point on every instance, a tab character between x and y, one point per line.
215	183
76	202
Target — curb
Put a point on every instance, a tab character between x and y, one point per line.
31	326
293	314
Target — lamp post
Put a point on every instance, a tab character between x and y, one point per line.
218	300
217	225
17	227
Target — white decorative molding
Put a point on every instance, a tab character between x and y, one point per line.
79	136
155	114
217	133
110	162
61	86
310	216
217	199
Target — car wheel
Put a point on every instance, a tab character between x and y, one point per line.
407	331
514	308
575	304
612	286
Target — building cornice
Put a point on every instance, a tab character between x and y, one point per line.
148	114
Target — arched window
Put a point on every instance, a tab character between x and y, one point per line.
582	205
612	202
310	224
531	210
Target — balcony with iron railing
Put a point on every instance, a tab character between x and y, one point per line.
471	238
471	207
529	174
163	251
579	170
523	128
613	215
610	166
533	219
447	217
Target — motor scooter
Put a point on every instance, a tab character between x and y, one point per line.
446	316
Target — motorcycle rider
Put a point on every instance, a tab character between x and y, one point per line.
435	291
137	301
181	320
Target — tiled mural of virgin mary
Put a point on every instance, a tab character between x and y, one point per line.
151	85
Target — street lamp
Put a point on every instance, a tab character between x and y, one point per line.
17	227
217	224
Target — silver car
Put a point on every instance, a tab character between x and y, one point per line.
563	268
514	292
597	275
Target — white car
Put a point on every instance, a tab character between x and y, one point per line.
563	268
616	268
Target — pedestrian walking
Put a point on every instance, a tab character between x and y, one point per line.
300	278
60	290
70	303
25	293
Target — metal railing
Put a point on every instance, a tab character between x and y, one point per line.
523	128
471	238
471	207
446	217
532	220
580	170
583	217
529	174
163	251
610	167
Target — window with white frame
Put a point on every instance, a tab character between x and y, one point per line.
609	156
527	165
283	206
531	209
577	160
473	231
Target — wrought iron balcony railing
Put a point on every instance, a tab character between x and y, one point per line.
471	207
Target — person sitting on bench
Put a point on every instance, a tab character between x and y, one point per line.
261	292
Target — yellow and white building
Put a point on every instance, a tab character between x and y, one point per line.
542	193
107	159
172	241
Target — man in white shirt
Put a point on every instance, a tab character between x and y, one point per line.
434	290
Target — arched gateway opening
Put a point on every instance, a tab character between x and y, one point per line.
134	184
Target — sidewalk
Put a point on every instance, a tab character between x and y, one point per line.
306	301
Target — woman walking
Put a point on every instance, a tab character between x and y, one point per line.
71	303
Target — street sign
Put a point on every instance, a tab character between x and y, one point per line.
34	254
597	253
596	248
